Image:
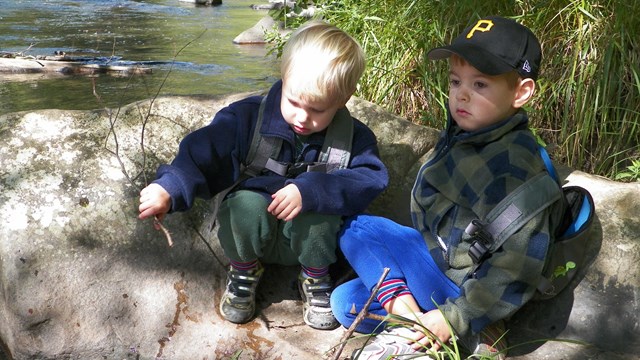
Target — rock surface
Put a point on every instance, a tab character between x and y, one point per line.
256	34
82	278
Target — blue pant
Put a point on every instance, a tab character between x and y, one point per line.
372	243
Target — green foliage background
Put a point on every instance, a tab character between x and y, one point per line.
587	107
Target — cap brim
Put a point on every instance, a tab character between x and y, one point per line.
484	61
439	53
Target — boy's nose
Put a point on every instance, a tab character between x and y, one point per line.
462	94
302	116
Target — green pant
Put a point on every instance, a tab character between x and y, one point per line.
248	232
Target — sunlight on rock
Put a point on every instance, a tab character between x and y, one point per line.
14	215
50	213
111	169
41	127
25	155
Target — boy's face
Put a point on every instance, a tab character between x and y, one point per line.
477	100
306	116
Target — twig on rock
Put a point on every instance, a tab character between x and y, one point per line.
396	319
224	266
361	316
164	230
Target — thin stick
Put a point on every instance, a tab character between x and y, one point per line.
145	120
210	248
363	313
395	320
164	230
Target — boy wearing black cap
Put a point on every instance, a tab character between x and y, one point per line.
485	152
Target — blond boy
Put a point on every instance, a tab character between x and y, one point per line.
290	219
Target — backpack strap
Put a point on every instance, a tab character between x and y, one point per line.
511	214
259	155
336	149
262	151
506	218
548	163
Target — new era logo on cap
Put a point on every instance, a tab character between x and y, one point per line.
496	45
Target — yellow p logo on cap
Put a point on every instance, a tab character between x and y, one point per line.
481	25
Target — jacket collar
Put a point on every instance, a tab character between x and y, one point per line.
518	121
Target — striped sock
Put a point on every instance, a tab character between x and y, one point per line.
244	266
392	289
314	272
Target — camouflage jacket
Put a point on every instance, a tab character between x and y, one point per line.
465	176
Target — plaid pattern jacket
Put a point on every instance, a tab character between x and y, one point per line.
465	176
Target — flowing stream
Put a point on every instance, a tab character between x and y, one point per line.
188	47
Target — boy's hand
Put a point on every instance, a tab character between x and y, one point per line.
287	203
154	201
436	323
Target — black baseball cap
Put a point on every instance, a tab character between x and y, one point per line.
495	45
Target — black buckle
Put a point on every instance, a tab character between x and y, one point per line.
479	249
298	168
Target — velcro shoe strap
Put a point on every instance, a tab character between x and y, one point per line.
246	278
323	286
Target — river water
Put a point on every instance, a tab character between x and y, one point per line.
188	47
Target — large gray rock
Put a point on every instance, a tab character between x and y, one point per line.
256	33
82	278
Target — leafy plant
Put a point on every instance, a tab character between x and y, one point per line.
290	14
563	270
632	173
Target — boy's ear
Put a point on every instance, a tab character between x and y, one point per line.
524	92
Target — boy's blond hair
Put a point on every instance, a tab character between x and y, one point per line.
320	62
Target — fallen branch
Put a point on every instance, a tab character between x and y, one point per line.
51	64
113	118
145	121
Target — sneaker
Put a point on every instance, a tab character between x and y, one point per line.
390	344
491	343
238	303
315	295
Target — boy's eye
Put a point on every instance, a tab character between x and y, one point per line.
481	85
293	103
454	82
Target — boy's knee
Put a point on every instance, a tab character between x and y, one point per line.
340	302
247	202
314	231
356	230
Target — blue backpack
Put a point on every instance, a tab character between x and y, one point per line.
567	253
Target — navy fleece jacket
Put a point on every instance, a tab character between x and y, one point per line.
209	159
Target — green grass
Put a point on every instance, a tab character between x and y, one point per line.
453	349
587	107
